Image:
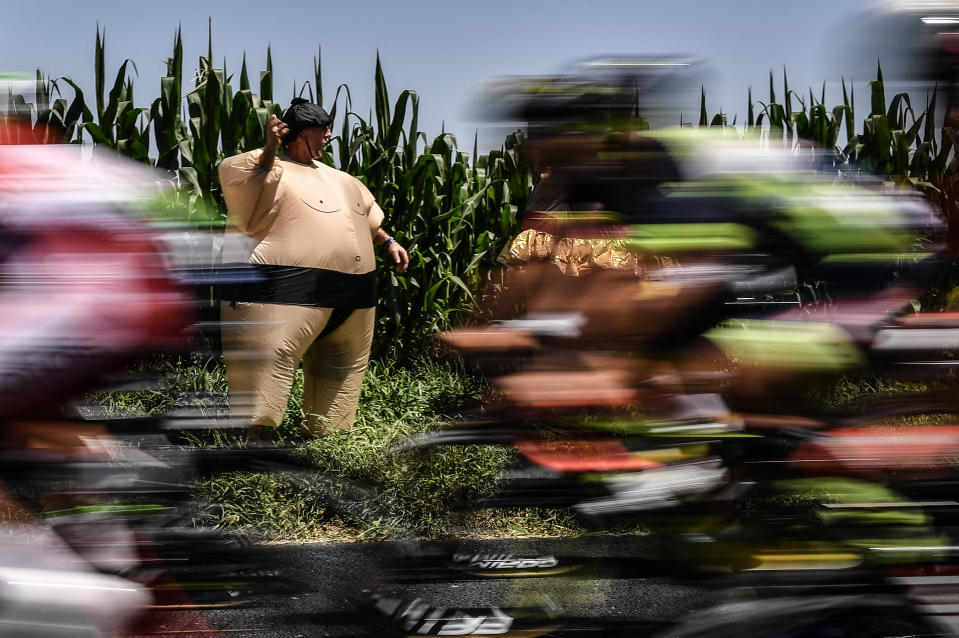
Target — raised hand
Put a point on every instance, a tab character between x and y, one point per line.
275	130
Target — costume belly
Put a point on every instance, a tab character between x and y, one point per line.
317	221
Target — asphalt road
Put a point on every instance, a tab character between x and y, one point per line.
332	572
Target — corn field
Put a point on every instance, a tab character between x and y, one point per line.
452	210
896	142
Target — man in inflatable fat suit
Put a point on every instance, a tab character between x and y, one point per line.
312	230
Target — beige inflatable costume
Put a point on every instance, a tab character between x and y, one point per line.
312	227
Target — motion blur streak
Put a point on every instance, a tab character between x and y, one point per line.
97	529
673	309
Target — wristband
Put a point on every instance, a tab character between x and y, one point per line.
389	240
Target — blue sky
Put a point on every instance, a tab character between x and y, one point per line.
440	48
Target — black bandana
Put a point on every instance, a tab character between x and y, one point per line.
302	115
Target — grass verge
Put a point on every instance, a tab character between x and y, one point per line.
356	486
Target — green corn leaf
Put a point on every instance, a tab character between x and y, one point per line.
175	71
877	139
244	76
898	108
253	132
849	107
234	134
186	150
57	120
415	135
266	78
900	153
820	127
801	122
929	135
41	100
118	94
950	141
209	41
921	160
787	93
96	133
392	138
703	118
129	121
318	74
78	113
100	71
188	175
878	93
459	282
381	99
913	132
475	151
